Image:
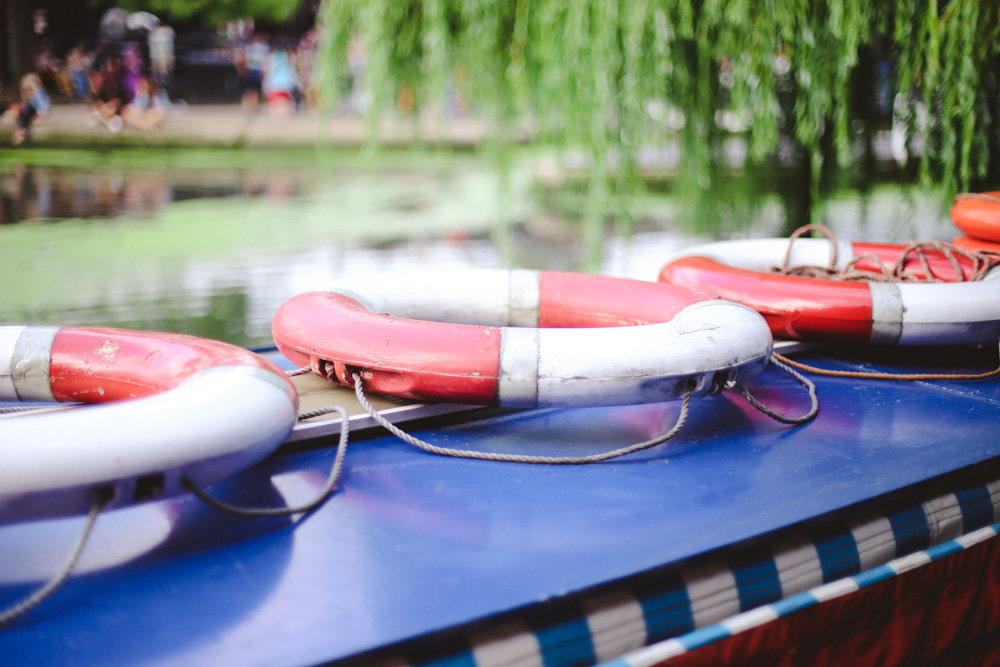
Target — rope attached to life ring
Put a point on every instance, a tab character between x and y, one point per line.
32	600
875	375
592	458
517	458
982	262
28	603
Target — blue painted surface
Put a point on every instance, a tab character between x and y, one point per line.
414	543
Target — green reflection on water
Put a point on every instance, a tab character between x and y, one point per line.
195	265
252	226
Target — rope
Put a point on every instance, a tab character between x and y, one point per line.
328	488
873	375
24	606
982	262
22	408
520	458
298	371
593	458
799	232
319	412
779	361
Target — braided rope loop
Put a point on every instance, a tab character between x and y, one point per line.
321	497
806	382
981	262
519	458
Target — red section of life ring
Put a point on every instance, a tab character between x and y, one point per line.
336	335
801	307
402	357
793	307
888	254
588	300
98	365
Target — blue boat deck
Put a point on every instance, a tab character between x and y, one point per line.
415	546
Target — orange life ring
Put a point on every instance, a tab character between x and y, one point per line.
978	215
970	244
523	338
862	311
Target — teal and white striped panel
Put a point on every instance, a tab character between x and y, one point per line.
717	596
671	648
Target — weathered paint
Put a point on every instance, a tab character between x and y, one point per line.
210	409
598	341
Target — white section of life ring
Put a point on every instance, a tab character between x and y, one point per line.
217	421
705	347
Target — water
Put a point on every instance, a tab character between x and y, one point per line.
210	242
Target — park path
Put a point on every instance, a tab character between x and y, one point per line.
229	125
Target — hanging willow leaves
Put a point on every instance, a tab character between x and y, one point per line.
604	77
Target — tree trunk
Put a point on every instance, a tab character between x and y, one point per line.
18	57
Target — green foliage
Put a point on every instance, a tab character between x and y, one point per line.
596	76
208	12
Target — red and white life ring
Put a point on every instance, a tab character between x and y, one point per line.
523	338
860	311
978	215
202	410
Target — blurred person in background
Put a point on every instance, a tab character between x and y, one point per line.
161	53
249	62
279	84
78	61
132	70
35	104
54	73
305	61
149	106
108	97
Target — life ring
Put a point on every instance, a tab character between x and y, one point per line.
858	311
970	244
978	215
202	410
523	338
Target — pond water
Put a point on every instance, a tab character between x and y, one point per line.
211	242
